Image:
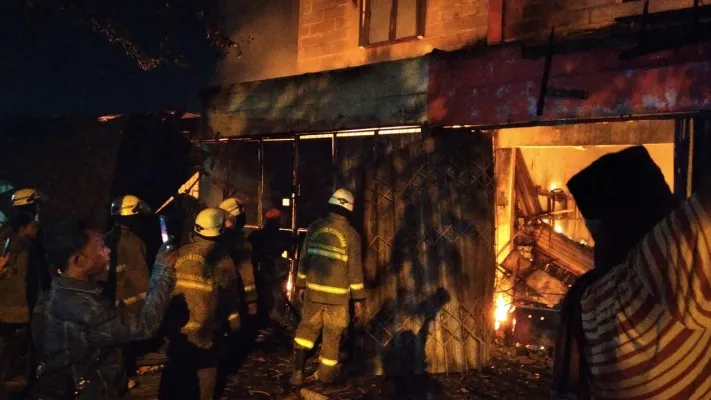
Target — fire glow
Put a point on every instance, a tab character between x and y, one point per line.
502	310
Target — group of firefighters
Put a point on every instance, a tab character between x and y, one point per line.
188	304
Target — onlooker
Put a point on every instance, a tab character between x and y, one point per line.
77	331
637	325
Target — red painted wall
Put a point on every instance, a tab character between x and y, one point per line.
499	87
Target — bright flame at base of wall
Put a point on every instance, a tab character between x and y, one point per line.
503	308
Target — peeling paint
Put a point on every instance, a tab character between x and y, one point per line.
662	83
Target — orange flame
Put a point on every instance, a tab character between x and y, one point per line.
502	310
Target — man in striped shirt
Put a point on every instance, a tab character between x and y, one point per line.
637	325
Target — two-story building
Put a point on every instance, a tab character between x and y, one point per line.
457	124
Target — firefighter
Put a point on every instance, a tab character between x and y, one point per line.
329	275
240	249
204	302
18	291
128	274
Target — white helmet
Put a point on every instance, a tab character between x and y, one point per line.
232	206
25	197
209	222
342	198
128	205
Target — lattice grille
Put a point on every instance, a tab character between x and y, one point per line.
429	224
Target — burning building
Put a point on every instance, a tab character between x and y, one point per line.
457	129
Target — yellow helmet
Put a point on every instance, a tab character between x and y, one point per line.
342	198
232	206
129	205
25	197
209	222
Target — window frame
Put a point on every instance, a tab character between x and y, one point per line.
365	23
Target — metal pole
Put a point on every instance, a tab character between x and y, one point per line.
260	201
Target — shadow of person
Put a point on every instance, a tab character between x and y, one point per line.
178	380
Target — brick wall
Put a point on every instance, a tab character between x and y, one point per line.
533	19
329	33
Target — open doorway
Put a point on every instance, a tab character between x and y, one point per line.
542	244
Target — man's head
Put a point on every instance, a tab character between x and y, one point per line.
76	250
24	225
272	219
621	196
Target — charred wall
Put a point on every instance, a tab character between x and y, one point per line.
533	19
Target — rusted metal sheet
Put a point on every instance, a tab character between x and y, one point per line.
427	222
500	87
384	94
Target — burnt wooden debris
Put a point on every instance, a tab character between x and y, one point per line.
544	262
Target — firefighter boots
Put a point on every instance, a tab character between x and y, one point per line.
297	377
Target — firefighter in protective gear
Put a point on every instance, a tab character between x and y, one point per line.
204	302
329	275
126	281
128	273
240	249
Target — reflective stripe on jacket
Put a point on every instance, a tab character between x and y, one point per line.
330	265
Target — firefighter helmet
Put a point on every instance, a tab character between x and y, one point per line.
232	206
25	197
209	222
128	205
342	198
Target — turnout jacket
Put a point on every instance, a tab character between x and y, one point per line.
77	330
22	280
207	290
128	280
241	252
330	265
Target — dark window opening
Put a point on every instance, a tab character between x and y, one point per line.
388	21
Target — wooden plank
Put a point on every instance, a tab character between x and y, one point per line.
568	254
387	94
594	134
526	193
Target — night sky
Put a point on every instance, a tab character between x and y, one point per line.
55	65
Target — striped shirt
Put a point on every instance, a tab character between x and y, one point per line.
648	321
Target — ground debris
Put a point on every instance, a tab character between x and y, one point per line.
265	375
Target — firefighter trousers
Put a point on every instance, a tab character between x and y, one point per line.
329	320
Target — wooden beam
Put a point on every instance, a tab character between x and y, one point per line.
597	134
495	31
566	253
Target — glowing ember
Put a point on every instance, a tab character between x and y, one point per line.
502	310
554	186
558	228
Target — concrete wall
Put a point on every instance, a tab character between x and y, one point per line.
267	34
329	33
527	19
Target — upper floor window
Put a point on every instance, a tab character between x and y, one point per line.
386	21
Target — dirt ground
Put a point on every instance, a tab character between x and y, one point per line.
514	374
